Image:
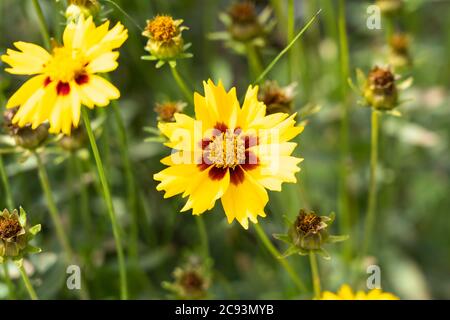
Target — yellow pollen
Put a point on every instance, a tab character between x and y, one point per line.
226	150
65	65
163	28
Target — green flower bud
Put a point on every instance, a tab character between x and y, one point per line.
309	233
86	8
245	24
75	141
380	91
25	137
192	281
167	110
15	236
165	38
276	98
389	6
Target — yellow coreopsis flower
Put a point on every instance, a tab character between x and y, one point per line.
66	78
346	293
229	152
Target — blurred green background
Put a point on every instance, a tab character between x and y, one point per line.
412	237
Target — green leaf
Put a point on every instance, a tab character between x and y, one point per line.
32	249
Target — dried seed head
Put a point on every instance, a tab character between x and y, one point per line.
308	223
191	282
243	12
276	98
25	137
245	25
399	56
167	110
380	90
399	42
9	228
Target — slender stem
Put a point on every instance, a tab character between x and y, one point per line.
56	219
290	37
42	24
6	187
84	198
27	283
285	50
203	236
8	281
315	274
130	180
109	204
54	214
183	86
344	127
254	61
284	263
372	201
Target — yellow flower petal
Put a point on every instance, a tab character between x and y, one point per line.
104	63
244	201
26	91
31	59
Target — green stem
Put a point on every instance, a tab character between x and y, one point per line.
109	204
27	283
54	214
130	180
203	236
254	61
6	187
315	274
284	263
285	50
56	219
183	86
372	201
290	37
344	127
8	281
42	24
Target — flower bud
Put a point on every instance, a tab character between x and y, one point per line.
75	141
245	25
399	56
15	236
309	233
25	137
165	37
380	91
389	6
276	98
191	281
86	8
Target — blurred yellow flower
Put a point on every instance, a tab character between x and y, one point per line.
66	78
346	293
228	152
